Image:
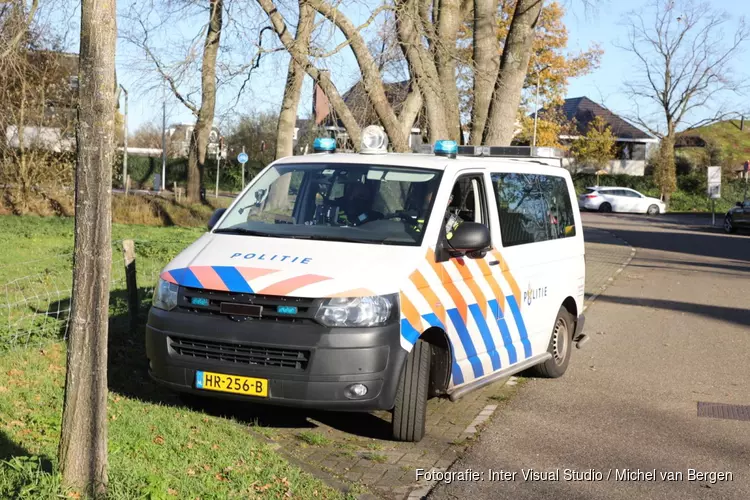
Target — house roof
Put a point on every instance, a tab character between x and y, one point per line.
584	110
359	103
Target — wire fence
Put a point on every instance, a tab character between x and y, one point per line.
35	296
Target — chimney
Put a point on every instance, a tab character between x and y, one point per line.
321	107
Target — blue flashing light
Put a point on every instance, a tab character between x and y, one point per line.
324	145
446	148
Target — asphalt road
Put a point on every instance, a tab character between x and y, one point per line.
671	331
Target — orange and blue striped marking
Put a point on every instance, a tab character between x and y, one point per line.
236	279
476	306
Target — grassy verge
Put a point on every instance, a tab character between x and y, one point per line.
157	448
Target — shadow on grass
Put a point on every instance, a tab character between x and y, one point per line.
10	450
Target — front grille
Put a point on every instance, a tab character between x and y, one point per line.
241	354
213	299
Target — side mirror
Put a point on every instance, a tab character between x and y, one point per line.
215	217
739	204
469	238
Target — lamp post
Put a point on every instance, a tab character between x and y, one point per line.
125	143
536	104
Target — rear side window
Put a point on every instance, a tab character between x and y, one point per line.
533	208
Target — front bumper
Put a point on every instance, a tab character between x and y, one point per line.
336	358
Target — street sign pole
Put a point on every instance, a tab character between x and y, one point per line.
218	163
714	189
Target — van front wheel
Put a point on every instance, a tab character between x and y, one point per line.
410	408
560	347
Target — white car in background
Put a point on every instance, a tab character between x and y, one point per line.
618	199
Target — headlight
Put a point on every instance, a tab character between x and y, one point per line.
358	311
165	295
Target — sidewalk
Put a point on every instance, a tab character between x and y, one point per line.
606	256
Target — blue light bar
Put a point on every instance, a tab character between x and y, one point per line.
446	148
324	145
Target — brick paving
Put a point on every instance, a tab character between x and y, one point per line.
353	451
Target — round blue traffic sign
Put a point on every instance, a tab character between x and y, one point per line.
242	157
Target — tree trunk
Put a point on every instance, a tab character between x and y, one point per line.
321	77
422	67
294	79
205	121
513	66
485	65
83	439
666	170
446	54
279	192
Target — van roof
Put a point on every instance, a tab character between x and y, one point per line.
418	160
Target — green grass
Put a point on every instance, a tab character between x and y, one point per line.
158	448
375	457
313	438
732	141
36	271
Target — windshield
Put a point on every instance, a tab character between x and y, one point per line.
335	201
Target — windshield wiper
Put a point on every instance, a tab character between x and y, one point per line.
247	232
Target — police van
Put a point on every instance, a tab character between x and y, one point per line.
374	281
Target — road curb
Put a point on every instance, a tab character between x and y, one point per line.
611	279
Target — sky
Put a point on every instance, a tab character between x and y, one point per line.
264	89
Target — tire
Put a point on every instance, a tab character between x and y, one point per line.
605	208
652	210
410	408
729	226
560	346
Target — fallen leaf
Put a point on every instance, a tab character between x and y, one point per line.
42	352
215	447
3	388
220	477
16	423
206	467
159	440
172	492
117	399
205	419
190	472
13	372
74	494
190	446
114	417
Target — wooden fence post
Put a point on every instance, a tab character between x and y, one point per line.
128	250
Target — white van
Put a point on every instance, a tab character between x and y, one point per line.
374	281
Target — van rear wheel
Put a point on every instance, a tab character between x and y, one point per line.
605	208
410	408
560	347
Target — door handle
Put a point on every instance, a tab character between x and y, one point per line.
494	262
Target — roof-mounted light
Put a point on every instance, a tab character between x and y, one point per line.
374	140
324	145
446	148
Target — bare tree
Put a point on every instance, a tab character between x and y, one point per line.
196	70
199	138
294	79
83	439
684	52
427	34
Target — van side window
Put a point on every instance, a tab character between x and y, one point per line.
532	208
468	199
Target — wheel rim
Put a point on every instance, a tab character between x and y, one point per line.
652	210
560	341
728	224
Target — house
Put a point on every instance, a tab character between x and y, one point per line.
179	135
633	145
326	120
